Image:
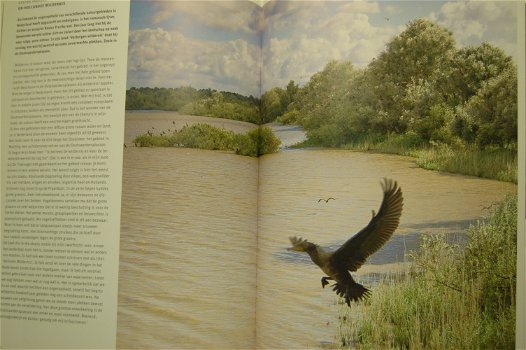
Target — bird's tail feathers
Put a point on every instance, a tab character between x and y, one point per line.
351	292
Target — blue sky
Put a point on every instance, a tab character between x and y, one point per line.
215	44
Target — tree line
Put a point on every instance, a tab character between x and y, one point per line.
188	100
421	88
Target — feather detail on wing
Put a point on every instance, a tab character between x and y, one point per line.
353	253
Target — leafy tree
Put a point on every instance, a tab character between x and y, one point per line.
493	110
275	102
321	98
292	90
404	73
267	141
271	106
470	68
205	102
416	53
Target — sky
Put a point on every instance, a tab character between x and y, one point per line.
217	44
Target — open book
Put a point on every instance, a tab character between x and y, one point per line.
157	156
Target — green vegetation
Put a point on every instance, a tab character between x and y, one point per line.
499	163
453	297
420	92
454	109
492	163
256	142
204	102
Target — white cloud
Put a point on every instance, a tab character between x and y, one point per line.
303	37
227	15
169	59
300	38
474	22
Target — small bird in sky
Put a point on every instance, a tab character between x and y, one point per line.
326	200
353	253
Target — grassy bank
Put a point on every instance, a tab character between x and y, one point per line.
256	142
497	164
491	163
452	297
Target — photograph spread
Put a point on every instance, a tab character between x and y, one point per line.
234	175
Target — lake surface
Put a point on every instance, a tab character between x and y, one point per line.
192	257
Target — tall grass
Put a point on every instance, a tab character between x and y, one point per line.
492	163
452	297
499	164
392	143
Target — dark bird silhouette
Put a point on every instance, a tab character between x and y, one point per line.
353	253
326	200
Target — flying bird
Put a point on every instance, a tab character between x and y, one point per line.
353	253
326	200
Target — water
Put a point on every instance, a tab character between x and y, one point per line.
189	249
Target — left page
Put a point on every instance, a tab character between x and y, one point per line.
63	82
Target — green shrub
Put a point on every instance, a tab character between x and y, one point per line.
266	139
256	142
203	136
148	140
246	145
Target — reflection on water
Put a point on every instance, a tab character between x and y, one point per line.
189	246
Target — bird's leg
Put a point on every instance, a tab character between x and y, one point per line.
324	281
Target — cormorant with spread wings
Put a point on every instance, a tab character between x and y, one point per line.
353	253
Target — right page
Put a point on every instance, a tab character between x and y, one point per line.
421	93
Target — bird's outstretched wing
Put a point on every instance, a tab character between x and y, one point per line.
353	253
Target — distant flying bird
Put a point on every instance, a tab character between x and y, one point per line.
353	253
326	200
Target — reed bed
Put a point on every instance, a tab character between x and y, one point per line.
453	295
497	163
